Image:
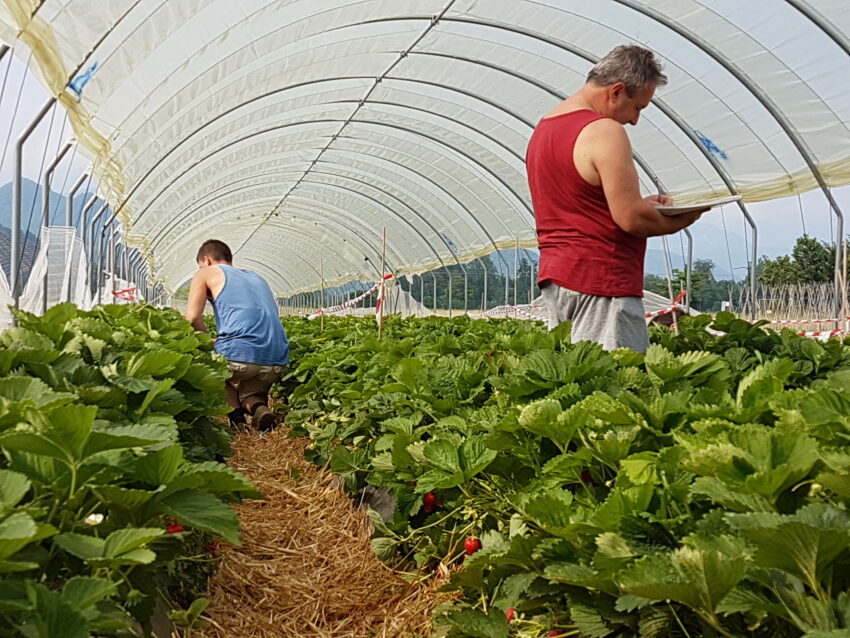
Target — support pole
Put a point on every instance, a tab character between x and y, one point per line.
45	216
484	306
465	292
844	304
113	249
754	263
690	269
507	278
15	259
434	277
382	287
669	274
516	274
449	275
322	300
69	206
45	186
86	231
89	231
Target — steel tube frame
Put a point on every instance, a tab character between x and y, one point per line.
15	259
775	113
45	220
69	205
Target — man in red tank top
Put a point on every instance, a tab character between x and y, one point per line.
592	222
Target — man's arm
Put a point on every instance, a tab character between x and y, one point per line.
611	154
197	300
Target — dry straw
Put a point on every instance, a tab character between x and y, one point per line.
306	567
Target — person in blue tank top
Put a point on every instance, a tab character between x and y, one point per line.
250	334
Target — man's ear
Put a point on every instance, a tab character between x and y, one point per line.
617	91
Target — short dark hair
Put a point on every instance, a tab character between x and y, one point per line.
634	66
215	249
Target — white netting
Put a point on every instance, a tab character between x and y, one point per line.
5	302
59	268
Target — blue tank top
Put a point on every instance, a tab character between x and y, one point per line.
247	320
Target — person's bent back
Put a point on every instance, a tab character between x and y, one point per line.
247	320
250	334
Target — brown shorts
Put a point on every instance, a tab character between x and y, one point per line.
250	379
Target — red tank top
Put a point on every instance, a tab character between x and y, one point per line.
581	248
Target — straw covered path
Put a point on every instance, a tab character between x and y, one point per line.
306	567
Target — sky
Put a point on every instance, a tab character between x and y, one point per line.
779	222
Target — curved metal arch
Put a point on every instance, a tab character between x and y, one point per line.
538	84
494	140
822	23
288	125
408	207
660	104
182	214
333	219
437	141
158	272
382	206
446	87
308	83
578	52
767	103
438	186
560	95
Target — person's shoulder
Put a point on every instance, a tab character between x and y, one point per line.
605	126
205	273
606	133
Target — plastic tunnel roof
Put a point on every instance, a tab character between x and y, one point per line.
297	130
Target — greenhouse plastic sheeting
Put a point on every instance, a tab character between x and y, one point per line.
298	130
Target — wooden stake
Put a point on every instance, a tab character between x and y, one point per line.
381	286
322	295
844	309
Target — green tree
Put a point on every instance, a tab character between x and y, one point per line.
781	270
815	259
811	261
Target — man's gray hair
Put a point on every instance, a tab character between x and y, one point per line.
634	66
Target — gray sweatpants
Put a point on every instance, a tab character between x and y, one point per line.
614	322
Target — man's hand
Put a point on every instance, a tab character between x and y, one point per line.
659	200
197	300
610	151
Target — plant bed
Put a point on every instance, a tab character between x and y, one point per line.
699	490
110	476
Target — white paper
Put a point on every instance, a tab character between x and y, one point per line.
670	211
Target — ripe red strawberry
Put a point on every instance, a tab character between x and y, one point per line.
509	614
554	633
429	502
174	528
586	476
471	545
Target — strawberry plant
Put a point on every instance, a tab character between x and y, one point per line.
110	457
698	490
